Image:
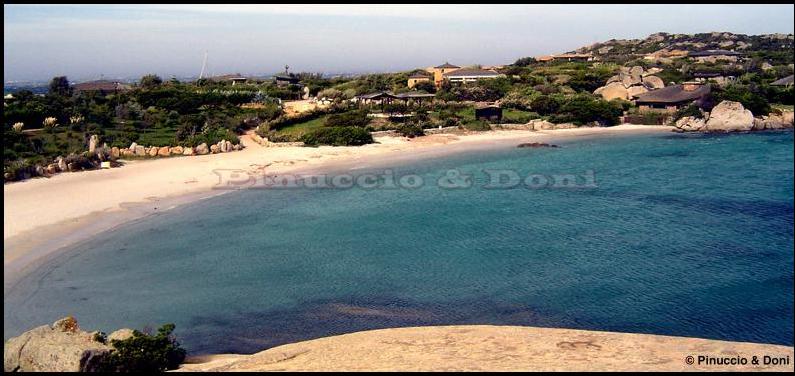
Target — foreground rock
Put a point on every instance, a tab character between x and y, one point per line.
493	348
729	116
62	347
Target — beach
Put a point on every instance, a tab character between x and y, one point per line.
43	215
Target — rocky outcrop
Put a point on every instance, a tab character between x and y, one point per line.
630	82
493	348
690	124
536	145
60	347
782	120
729	116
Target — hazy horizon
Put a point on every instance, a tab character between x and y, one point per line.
90	41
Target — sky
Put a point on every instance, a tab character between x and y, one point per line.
87	42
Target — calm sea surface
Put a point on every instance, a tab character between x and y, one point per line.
681	235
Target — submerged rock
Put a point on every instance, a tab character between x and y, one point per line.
536	145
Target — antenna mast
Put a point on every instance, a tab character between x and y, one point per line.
204	65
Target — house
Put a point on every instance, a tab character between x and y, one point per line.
786	82
712	56
488	112
286	80
470	75
672	98
440	70
416	78
566	57
718	77
102	87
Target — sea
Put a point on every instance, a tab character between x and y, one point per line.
671	234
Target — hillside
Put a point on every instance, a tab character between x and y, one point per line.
778	47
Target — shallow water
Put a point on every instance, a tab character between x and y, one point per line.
687	235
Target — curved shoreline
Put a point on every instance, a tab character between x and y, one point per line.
78	206
496	348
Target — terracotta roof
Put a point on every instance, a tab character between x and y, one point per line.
101	85
783	82
672	94
447	65
715	53
472	72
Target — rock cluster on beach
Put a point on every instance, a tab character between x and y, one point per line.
60	347
630	82
136	150
730	116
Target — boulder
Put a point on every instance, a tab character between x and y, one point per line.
120	335
62	347
729	116
774	121
651	71
612	91
636	71
202	149
616	78
653	82
222	146
214	148
228	145
61	164
152	151
634	91
92	143
237	147
126	152
133	146
176	150
187	151
115	152
139	151
629	80
689	124
52	168
164	151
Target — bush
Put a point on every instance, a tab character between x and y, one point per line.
337	136
747	95
145	353
691	110
355	118
410	130
476	125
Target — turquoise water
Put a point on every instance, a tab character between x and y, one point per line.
688	235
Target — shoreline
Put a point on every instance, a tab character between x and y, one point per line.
148	187
495	348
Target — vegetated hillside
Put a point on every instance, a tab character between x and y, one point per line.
776	47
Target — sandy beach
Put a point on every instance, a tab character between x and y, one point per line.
45	214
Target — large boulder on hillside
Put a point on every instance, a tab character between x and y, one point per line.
634	91
630	80
729	116
612	91
62	347
651	71
653	82
689	124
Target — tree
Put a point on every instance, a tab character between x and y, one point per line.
150	81
60	86
426	86
145	353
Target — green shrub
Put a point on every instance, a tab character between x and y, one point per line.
145	353
410	130
476	125
355	118
337	136
691	110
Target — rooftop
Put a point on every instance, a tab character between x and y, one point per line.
673	94
472	72
715	53
101	85
447	65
